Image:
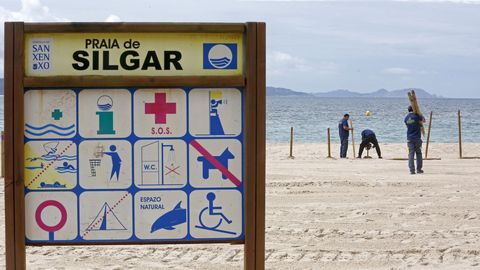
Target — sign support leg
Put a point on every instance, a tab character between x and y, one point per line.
14	186
255	136
9	182
261	131
18	148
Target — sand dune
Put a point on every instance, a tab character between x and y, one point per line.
331	214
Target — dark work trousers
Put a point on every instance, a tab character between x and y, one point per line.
372	140
343	146
415	149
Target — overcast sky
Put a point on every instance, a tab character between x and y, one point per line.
318	46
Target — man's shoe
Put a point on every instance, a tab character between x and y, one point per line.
359	157
412	172
420	171
380	157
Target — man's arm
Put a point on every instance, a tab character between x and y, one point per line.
422	119
345	125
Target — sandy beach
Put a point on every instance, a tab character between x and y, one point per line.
330	214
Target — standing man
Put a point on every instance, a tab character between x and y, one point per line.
344	132
368	138
414	139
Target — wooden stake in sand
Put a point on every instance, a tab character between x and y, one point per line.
328	143
353	139
460	134
2	170
460	148
291	144
428	134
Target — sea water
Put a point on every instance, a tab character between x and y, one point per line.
311	116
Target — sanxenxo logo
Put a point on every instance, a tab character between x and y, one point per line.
41	55
219	56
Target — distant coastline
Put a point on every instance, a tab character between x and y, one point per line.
381	93
343	93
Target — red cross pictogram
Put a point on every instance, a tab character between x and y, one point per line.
160	108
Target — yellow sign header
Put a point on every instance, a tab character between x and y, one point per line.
134	54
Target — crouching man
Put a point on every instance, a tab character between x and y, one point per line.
368	139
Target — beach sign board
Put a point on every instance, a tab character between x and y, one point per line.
128	137
120	164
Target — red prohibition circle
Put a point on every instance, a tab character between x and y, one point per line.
63	216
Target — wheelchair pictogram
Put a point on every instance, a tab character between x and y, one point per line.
212	217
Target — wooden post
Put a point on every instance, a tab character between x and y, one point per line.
261	148
18	148
428	134
12	260
460	134
353	139
328	142
254	249
368	154
14	124
2	170
291	143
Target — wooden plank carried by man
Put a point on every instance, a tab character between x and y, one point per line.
416	108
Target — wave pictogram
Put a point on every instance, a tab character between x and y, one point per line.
49	128
66	170
220	62
58	157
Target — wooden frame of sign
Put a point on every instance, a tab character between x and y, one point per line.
252	81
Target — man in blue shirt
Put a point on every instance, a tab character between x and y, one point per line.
344	132
369	138
414	139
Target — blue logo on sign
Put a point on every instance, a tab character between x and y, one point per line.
219	56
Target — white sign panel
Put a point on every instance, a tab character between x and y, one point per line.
51	216
217	112
134	165
50	114
160	113
105	113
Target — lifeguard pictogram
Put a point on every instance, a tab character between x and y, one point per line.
217	112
